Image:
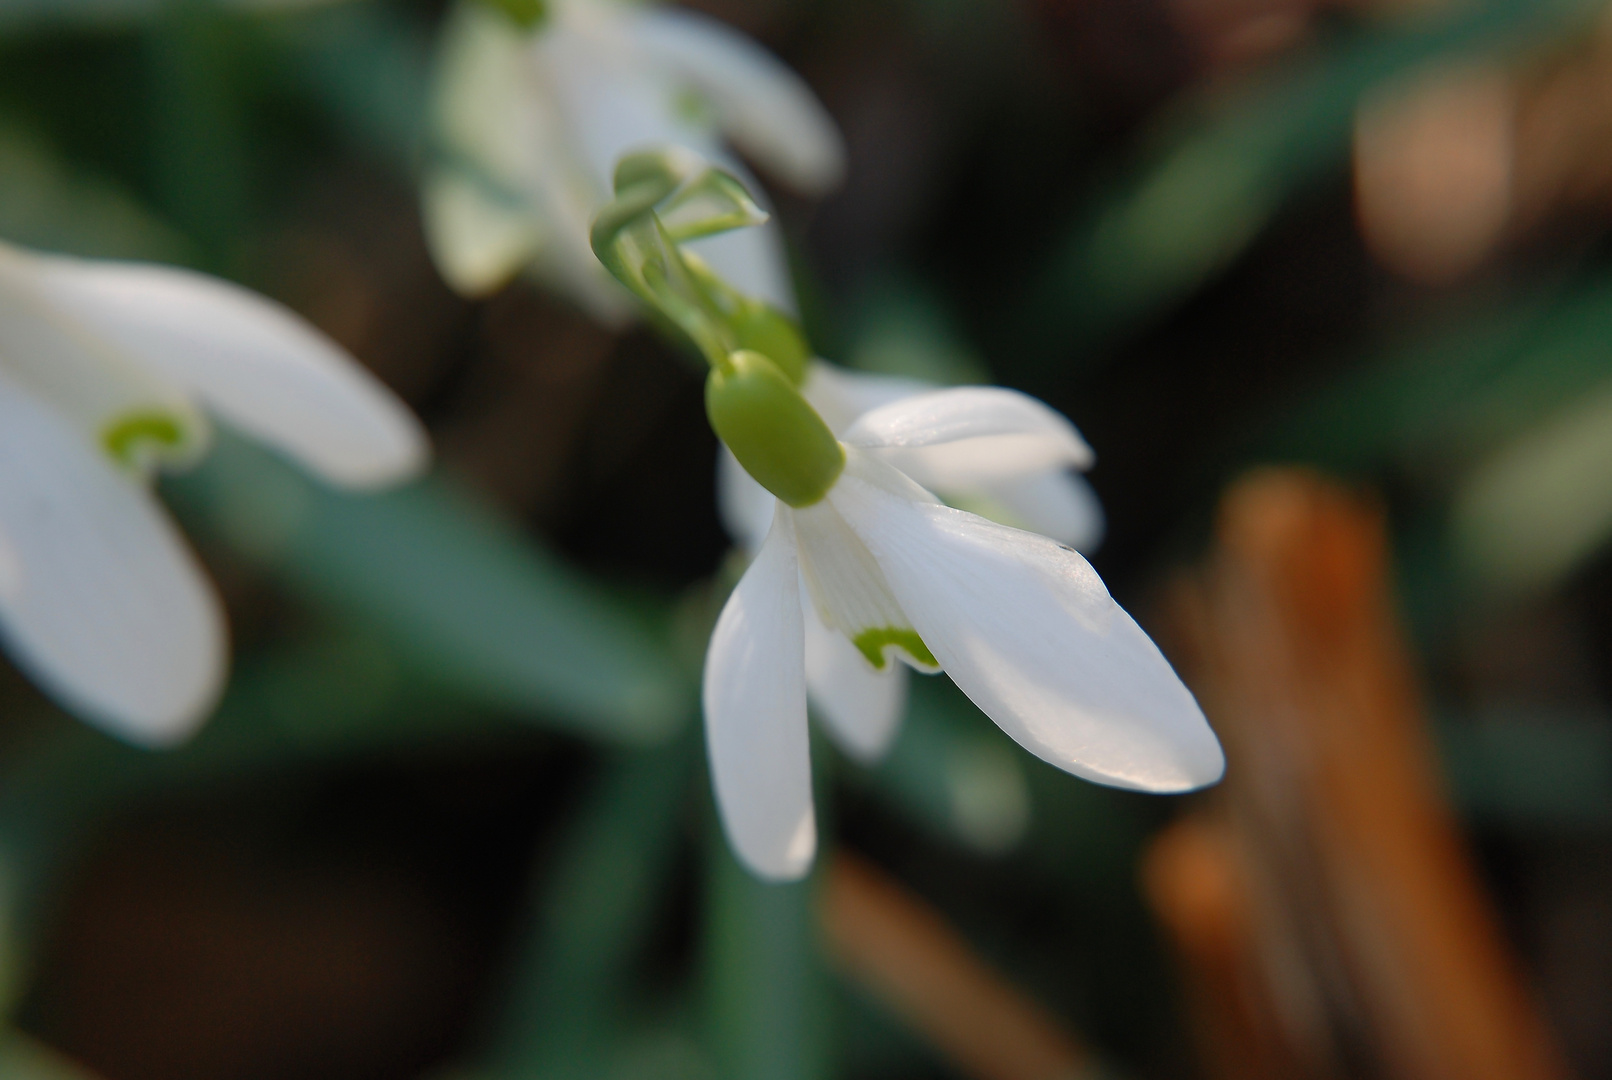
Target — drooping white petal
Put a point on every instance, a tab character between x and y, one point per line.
763	106
1053	502
488	109
250	360
860	706
478	241
754	693
510	177
1026	629
105	608
970	434
840	396
744	506
614	104
136	415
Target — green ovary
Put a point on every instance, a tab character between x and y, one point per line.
124	437
872	643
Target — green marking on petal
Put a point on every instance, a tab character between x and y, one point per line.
691	106
131	437
872	643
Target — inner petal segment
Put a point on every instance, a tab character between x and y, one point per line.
851	593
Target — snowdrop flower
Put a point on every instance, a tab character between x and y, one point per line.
105	370
860	702
1020	622
530	121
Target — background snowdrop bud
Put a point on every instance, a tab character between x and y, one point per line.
778	438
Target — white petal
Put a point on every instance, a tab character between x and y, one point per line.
840	396
478	242
250	360
614	105
488	107
860	706
755	714
763	106
971	433
1053	502
610	102
106	610
1026	629
745	506
87	379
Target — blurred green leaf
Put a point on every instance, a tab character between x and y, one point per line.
47	204
1536	510
10	952
369	68
955	772
593	908
22	1058
904	328
197	151
24	16
1224	164
767	991
330	693
1453	393
1524	769
466	598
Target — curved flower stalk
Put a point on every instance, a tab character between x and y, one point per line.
529	121
1020	622
107	371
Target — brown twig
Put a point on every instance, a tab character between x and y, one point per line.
907	955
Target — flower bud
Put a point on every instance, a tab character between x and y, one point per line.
778	438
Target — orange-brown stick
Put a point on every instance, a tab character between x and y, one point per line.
909	957
1378	948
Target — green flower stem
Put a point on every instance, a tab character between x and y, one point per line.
756	354
594	905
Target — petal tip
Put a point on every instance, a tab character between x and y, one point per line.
776	863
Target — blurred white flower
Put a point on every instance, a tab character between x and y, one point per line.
529	125
105	369
860	704
1020	622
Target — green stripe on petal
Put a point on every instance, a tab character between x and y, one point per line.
128	436
145	438
873	642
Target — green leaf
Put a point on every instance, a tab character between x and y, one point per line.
954	772
1444	397
767	992
594	907
46	203
470	601
1538	509
369	67
1529	770
22	1058
1223	165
